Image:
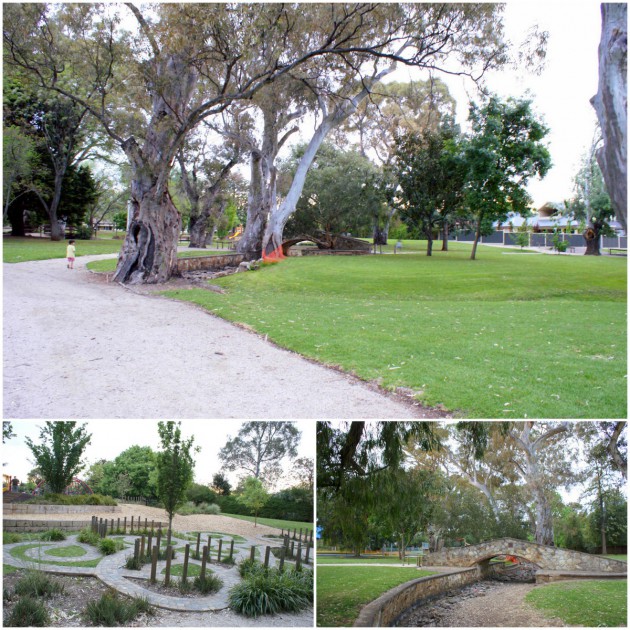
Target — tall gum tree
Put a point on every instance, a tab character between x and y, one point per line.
611	105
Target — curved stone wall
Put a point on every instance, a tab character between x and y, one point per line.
385	610
549	558
37	508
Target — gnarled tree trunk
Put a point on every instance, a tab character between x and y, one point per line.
611	105
250	242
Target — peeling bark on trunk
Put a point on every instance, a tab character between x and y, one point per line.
611	105
250	243
473	253
445	236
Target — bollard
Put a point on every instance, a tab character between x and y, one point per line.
151	526
204	559
281	563
185	567
298	560
149	541
159	540
220	545
292	549
146	521
231	550
154	559
267	552
125	525
306	554
142	547
210	549
167	574
252	553
132	524
197	556
118	525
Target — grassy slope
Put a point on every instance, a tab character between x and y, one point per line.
342	591
585	603
506	336
274	522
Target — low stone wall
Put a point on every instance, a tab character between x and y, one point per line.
545	557
12	526
34	508
544	577
205	263
385	610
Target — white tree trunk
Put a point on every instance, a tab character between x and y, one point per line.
611	105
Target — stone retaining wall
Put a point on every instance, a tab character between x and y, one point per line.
35	508
203	263
385	610
20	526
545	557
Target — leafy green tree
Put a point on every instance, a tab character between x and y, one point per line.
17	161
7	431
198	493
59	453
502	153
175	466
259	445
592	204
221	484
339	194
430	179
611	514
254	496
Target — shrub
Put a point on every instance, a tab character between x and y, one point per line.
272	592
73	499
248	566
210	583
107	546
53	534
10	538
133	564
83	233
38	584
28	612
112	610
88	537
203	508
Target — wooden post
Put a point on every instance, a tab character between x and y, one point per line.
220	545
125	525
185	567
159	540
152	526
111	527
204	560
267	552
300	535
146	522
198	543
149	541
252	553
132	524
167	575
281	564
311	538
209	548
136	549
292	548
298	560
154	559
231	550
306	553
118	525
142	547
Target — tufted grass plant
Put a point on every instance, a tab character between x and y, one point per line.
270	591
107	546
114	610
53	534
210	583
88	537
28	612
38	584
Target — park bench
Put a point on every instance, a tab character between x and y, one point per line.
623	251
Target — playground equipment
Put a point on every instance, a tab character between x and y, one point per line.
237	232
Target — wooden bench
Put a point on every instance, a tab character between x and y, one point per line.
623	251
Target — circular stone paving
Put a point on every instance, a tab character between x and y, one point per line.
111	569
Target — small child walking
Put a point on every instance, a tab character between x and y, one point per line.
70	254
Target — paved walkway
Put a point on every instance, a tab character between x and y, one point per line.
78	348
112	572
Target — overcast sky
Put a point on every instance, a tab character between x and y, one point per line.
112	437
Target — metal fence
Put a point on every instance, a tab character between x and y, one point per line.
542	239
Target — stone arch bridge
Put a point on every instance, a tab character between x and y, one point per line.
543	556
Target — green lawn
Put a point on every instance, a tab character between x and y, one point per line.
17	249
71	551
504	336
617	556
274	522
585	603
20	553
387	560
342	591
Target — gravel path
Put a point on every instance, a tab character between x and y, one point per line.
486	604
76	347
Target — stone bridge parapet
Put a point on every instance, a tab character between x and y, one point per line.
545	557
